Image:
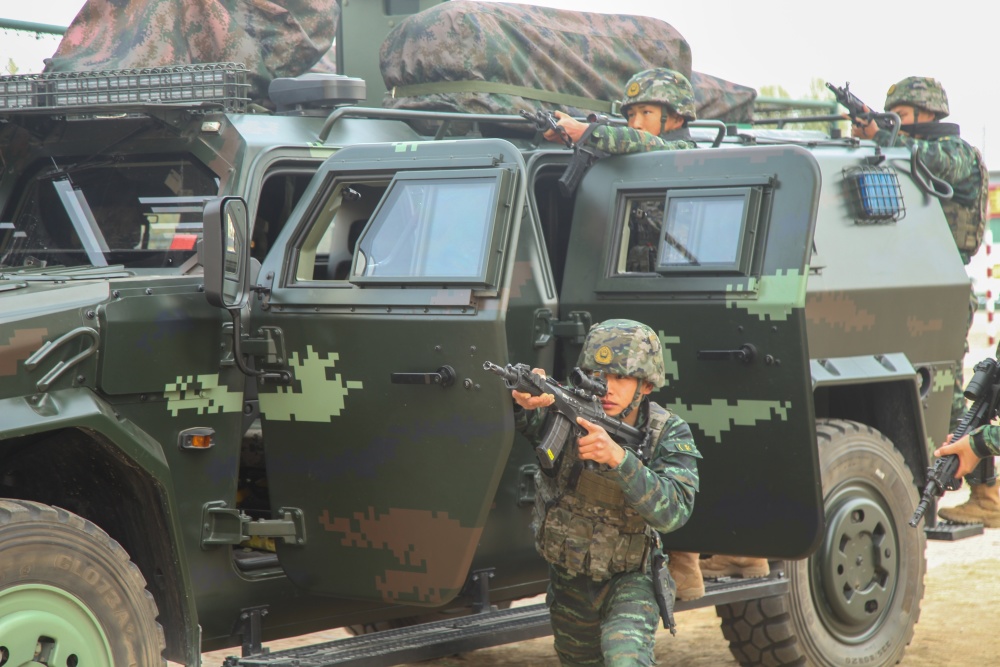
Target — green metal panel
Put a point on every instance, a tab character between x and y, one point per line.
364	457
753	422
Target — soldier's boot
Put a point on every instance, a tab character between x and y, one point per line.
983	506
684	569
734	566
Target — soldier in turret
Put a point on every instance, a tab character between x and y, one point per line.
595	527
658	104
921	103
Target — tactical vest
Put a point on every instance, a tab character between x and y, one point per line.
967	219
581	520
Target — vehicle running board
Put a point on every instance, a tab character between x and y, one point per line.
438	639
414	643
727	590
948	531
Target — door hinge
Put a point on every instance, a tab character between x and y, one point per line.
575	326
268	346
222	525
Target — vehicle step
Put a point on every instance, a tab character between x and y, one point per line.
951	532
468	633
727	590
414	643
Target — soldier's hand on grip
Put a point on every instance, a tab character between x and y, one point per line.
598	446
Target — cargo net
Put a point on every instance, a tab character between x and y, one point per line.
874	194
223	84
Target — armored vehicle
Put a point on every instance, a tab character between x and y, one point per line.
242	384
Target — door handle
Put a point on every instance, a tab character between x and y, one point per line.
444	377
746	354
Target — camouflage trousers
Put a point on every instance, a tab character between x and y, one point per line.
611	622
985	471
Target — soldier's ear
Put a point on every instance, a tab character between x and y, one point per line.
646	388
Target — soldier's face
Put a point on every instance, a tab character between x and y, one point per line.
645	117
620	392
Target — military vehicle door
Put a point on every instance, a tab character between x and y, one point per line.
386	293
710	248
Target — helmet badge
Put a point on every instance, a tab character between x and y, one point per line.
891	90
633	89
604	355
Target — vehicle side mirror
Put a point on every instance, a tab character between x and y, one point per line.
227	254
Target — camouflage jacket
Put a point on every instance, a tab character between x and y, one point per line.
952	159
616	140
662	491
989	444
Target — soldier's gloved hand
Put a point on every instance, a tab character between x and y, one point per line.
573	128
598	446
529	402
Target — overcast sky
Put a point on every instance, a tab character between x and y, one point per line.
775	42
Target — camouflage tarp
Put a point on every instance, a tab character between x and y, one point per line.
275	38
722	100
501	58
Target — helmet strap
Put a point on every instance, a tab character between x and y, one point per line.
636	400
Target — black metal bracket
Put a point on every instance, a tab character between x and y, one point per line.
250	626
480	579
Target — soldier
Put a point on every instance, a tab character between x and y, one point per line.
658	104
595	527
921	103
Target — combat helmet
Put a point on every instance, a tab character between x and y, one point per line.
660	86
624	347
920	91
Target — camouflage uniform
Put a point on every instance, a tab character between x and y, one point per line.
594	527
652	86
948	157
985	440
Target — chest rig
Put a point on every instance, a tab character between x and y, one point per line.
581	520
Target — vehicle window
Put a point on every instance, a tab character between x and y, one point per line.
689	231
430	228
280	192
326	251
140	213
408	227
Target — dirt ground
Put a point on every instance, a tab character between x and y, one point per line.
957	625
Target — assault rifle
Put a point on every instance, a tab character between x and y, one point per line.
984	391
545	121
583	156
580	400
856	108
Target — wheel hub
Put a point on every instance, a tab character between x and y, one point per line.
857	566
43	625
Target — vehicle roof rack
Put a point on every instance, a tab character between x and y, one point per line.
223	84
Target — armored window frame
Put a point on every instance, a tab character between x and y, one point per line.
429	224
740	232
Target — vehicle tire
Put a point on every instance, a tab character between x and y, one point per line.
856	600
70	594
